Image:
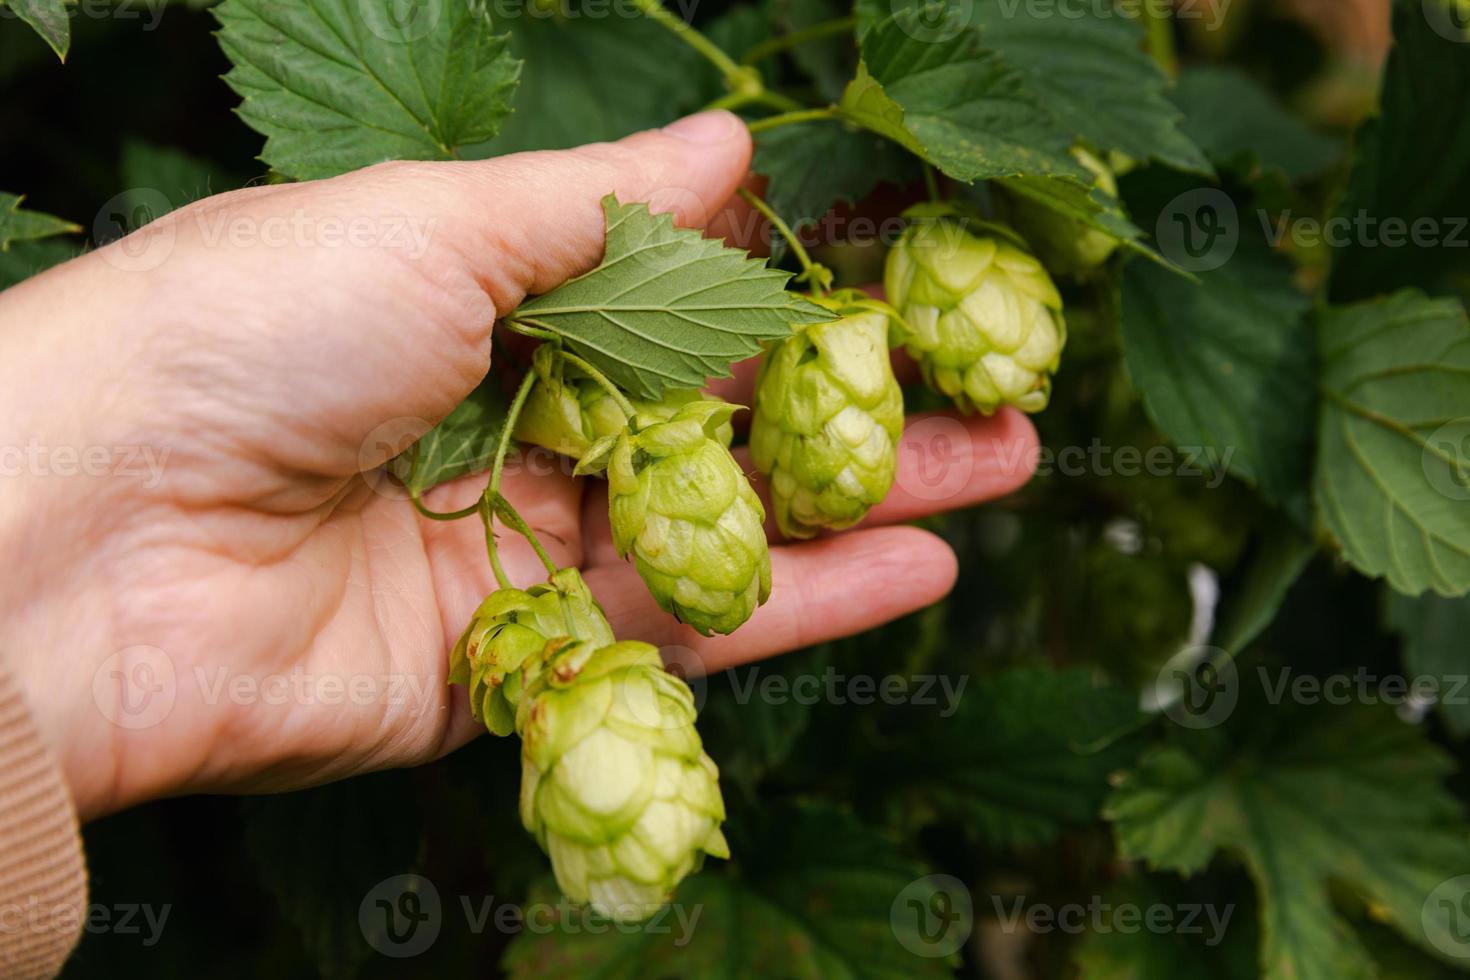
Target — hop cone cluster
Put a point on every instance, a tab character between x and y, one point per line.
983	318
567	412
507	634
681	506
1065	245
828	415
615	784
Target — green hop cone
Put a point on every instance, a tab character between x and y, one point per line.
682	507
507	634
982	317
615	784
1065	245
828	415
567	412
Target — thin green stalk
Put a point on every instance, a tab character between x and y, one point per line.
620	399
736	77
503	447
739	100
492	491
792	118
775	45
487	516
439	515
1161	38
931	182
528	328
517	523
809	268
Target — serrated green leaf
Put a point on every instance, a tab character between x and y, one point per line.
1242	128
49	18
1304	798
1088	205
335	85
814	166
1089	69
1435	631
811	902
1412	165
588	79
667	307
461	445
752	735
1227	363
321	851
1389	483
1027	754
1216	937
25	259
19	225
1082	70
954	104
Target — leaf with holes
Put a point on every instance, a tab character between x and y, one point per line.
335	85
667	308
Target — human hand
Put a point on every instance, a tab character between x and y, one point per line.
261	582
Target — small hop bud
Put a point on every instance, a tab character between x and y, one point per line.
828	416
507	635
682	507
615	783
1065	245
567	412
981	316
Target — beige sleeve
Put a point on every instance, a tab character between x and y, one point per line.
43	881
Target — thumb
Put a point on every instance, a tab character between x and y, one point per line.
527	222
348	337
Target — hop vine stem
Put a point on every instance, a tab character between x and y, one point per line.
810	270
775	45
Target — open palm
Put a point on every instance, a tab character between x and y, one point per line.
263	614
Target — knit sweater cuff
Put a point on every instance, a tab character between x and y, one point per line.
43	883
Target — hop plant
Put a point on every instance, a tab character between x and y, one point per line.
828	415
567	411
680	505
615	783
982	317
1065	245
509	631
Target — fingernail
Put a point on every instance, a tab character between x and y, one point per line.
704	127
